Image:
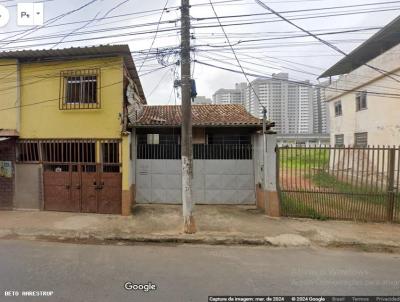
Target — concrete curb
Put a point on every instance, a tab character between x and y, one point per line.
283	240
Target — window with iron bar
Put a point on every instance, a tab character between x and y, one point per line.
361	139
338	108
339	140
68	151
361	101
80	89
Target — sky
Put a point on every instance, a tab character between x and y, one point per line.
263	43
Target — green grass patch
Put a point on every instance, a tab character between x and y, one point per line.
294	207
299	158
357	193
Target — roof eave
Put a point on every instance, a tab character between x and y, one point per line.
201	125
374	44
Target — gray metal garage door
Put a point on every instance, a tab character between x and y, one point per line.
215	181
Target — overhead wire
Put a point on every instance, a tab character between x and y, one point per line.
237	59
334	47
155	34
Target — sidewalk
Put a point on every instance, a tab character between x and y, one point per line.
216	225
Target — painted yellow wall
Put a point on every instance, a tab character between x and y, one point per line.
40	116
9	110
40	113
127	165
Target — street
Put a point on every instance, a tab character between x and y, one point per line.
189	272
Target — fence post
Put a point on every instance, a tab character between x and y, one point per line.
272	204
390	186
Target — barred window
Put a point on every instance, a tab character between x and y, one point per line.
361	101
361	139
110	156
338	108
80	89
68	151
339	140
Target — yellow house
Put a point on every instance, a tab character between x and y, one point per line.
64	114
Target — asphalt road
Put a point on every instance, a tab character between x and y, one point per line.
189	273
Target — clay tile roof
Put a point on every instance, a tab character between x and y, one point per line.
203	115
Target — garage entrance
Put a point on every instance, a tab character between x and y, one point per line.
78	175
222	174
83	188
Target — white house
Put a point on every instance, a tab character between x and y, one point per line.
364	102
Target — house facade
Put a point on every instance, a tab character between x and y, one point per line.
64	139
364	102
227	152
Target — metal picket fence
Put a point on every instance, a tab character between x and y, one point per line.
354	183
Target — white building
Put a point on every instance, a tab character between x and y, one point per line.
230	96
289	104
320	109
364	102
201	100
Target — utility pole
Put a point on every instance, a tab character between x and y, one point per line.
186	140
264	119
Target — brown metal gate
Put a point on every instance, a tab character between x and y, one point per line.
87	188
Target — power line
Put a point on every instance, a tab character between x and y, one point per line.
155	34
56	99
297	36
300	10
57	75
50	21
114	8
100	19
334	47
299	71
119	35
50	100
304	17
89	22
234	53
158	84
387	95
73	31
46	37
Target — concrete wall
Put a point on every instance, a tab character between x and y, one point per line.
258	147
28	186
7	153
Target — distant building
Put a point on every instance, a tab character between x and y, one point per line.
231	96
289	104
364	102
201	100
320	109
